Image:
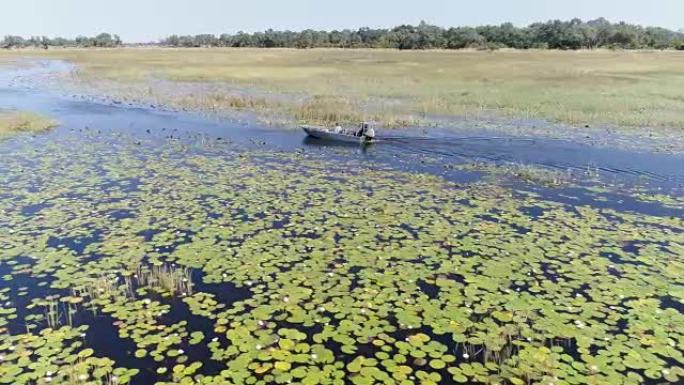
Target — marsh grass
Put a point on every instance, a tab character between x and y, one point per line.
168	280
624	88
52	312
20	122
101	286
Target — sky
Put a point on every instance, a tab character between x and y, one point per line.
148	20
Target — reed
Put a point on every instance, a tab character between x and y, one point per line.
22	122
166	279
52	312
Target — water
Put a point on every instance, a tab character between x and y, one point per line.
400	148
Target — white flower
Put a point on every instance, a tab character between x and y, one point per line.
594	368
314	356
83	377
321	308
286	299
181	351
466	355
258	347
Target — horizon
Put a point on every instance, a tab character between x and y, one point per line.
217	34
144	22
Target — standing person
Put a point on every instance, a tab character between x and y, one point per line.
370	132
361	130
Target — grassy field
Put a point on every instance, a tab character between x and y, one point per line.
624	88
19	122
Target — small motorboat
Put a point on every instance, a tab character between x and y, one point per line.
365	134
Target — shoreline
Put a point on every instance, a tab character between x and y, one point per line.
66	78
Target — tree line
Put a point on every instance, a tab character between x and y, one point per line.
101	40
555	34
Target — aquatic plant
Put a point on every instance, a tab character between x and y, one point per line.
223	266
169	280
18	122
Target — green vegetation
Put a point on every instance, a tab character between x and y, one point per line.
555	34
102	40
623	88
320	272
20	122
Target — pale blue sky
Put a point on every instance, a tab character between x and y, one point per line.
143	20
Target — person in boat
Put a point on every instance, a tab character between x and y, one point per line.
366	131
370	132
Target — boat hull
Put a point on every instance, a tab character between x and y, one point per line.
323	134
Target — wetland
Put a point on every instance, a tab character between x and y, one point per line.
142	245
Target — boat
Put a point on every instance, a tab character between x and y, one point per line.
339	135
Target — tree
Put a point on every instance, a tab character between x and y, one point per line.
13	42
463	37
